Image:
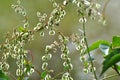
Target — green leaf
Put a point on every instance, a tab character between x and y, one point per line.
111	60
116	42
118	67
96	44
22	29
43	74
104	48
66	67
3	76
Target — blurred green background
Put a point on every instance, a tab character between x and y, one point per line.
95	31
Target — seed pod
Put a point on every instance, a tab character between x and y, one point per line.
38	14
65	64
51	32
49	56
26	25
44	65
63	56
48	77
85	70
44	58
70	66
30	71
55	4
78	47
60	38
5	66
19	72
48	47
65	76
42	33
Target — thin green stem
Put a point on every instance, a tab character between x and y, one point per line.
110	76
57	75
84	34
115	68
104	9
38	72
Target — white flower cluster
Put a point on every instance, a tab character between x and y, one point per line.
65	56
47	57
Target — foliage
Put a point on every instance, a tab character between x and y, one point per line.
15	43
111	52
3	76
